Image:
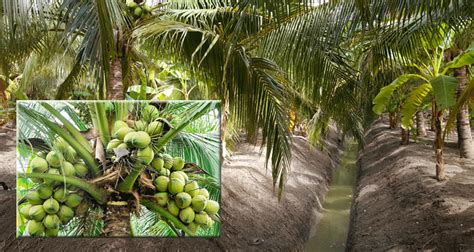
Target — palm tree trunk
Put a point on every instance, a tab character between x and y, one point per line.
405	137
115	89
117	220
439	145
466	148
393	120
420	123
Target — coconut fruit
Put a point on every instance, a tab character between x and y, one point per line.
209	223
154	128
147	8
175	186
138	11
54	158
60	144
41	154
81	169
38	165
212	207
35	228
178	163
165	172
184	175
25	211
54	172
122	132
191	188
139	139
145	155
65	213
131	4
201	218
161	198
67	169
70	154
203	192
139	125
73	200
114	143
199	203
150	113
183	200
51	206
193	227
173	208
34	198
177	175
37	212
168	161
45	191
187	215
122	146
60	195
157	164
51	221
51	232
161	183
118	125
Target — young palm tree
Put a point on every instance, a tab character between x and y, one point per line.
108	181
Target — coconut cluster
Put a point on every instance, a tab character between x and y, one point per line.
138	10
181	196
51	203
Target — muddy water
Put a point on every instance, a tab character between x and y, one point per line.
331	231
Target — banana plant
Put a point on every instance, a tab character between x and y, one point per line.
436	84
109	170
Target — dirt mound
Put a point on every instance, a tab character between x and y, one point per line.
253	219
399	205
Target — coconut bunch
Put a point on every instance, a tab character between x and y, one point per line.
48	208
138	9
51	203
182	197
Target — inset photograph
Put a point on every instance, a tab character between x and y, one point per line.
118	169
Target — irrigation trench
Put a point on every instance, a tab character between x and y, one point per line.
332	230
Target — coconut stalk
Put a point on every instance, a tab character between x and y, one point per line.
74	132
126	185
98	194
102	123
164	213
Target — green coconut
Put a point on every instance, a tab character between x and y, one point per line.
209	223
139	139
73	200
145	155
60	144
51	206
161	198
168	161
35	228
183	200
65	214
138	11
41	154
191	188
173	208
81	169
203	192
157	164
25	211
201	218
70	154
117	125
54	172
122	146
67	169
139	125
131	4
60	194
161	183
37	213
34	198
54	159
177	175
199	203
193	227
38	165
51	221
45	191
165	172
114	143
178	163
187	215
212	207
51	232
175	186
122	132
150	113
147	8
154	128
184	175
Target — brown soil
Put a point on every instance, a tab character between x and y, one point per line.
252	217
400	206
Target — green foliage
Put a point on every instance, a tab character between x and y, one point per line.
412	104
444	91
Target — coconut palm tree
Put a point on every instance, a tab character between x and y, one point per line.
114	183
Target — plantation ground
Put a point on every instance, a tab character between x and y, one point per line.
400	206
253	219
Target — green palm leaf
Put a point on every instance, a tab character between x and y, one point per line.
444	90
